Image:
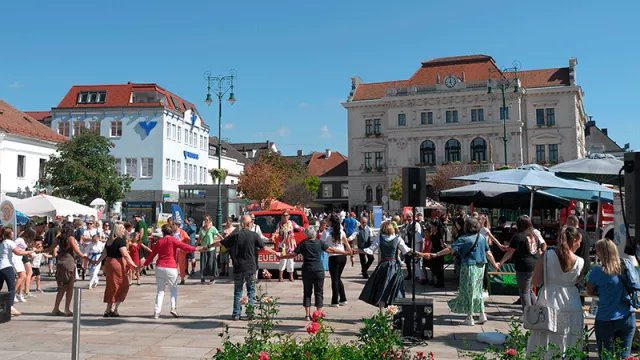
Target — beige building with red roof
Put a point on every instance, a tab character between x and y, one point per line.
450	111
25	145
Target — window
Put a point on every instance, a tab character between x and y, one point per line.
186	173
92	97
379	194
402	120
77	127
540	154
178	166
179	133
195	140
167	168
327	191
369	194
504	113
451	116
367	160
119	166
452	150
188	178
428	153
378	160
116	128
368	127
131	167
64	128
477	114
174	132
539	116
173	169
426	118
176	104
377	126
94	126
186	136
41	168
21	165
551	117
479	150
147	167
344	190
168	130
194	174
553	153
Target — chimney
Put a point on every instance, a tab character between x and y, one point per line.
572	71
299	152
327	154
605	131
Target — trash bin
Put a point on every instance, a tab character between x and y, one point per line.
5	307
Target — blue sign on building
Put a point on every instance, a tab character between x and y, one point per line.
190	155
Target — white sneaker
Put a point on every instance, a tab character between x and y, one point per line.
469	322
343	303
485	294
29	295
335	305
20	298
482	318
156	315
174	313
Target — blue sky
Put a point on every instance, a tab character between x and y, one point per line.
295	58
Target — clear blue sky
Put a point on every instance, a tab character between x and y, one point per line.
295	58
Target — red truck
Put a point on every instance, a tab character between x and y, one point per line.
268	221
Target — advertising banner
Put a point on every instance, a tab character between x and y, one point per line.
8	217
377	216
177	214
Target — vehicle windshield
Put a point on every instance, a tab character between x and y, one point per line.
268	223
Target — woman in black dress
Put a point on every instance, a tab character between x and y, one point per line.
437	244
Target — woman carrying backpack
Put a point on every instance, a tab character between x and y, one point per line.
615	318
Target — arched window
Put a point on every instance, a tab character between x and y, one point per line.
479	150
379	194
452	150
369	194
427	153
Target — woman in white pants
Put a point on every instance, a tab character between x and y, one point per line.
166	267
93	252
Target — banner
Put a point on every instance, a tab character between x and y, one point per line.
177	214
377	216
619	229
8	218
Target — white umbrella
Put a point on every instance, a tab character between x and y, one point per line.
98	202
46	205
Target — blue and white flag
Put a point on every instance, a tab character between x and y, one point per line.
194	118
177	214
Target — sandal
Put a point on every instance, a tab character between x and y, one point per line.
307	318
57	313
115	314
107	313
68	314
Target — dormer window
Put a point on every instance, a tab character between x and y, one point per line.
92	97
176	104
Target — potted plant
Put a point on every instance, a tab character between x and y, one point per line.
378	135
550	125
218	175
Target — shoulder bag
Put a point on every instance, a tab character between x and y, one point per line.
541	317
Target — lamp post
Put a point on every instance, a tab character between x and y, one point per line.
503	83
219	86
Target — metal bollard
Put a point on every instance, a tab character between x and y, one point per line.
75	341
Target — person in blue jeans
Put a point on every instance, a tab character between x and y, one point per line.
615	322
243	246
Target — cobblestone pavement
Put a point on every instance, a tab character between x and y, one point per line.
204	310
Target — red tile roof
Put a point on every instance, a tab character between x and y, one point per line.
39	115
320	165
120	96
475	68
14	121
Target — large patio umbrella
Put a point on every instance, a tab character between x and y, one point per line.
490	195
602	168
534	178
46	205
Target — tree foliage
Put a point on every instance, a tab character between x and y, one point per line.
83	169
297	193
312	184
395	189
261	181
440	181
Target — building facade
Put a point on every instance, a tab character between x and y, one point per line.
598	141
451	111
160	139
25	146
232	160
253	150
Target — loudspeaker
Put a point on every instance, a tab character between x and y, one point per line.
632	193
5	307
414	188
415	319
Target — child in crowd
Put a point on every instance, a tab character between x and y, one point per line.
93	252
36	262
134	252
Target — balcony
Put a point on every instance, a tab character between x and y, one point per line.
429	168
373	169
377	135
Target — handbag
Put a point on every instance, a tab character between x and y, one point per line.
458	260
538	316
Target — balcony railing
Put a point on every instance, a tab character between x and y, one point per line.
373	169
429	168
378	134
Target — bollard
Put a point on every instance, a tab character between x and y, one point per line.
75	340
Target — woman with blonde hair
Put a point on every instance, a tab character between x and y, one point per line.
115	270
559	270
615	318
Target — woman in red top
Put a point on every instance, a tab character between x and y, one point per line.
166	268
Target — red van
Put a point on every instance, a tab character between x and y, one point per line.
268	221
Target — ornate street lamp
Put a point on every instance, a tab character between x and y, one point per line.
504	83
219	86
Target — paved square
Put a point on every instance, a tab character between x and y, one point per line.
204	310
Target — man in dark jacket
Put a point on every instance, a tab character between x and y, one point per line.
364	238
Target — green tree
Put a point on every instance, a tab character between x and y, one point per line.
312	183
395	189
83	169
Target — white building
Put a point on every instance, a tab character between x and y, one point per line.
232	160
450	111
25	145
160	139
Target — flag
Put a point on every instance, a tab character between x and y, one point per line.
177	214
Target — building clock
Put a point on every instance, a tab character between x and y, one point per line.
450	81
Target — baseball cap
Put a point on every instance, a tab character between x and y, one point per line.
190	219
352	214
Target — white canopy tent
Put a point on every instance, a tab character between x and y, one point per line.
46	205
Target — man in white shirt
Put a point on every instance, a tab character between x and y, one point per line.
343	215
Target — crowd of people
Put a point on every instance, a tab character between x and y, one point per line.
125	251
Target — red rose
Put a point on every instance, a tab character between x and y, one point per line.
263	356
313	328
318	314
511	352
